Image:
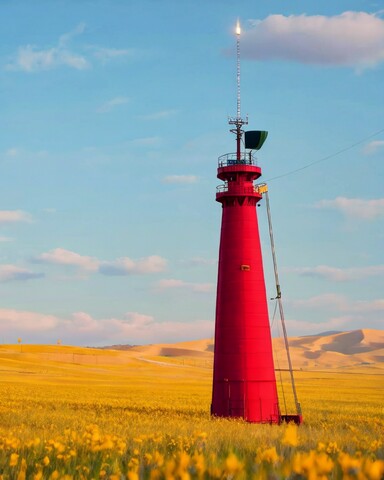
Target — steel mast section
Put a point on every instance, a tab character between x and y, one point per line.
238	121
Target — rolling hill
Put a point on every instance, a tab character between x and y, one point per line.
329	350
334	351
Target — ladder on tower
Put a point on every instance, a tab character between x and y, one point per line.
297	417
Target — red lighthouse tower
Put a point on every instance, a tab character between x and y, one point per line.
244	383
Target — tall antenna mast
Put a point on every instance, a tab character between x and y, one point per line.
238	33
238	121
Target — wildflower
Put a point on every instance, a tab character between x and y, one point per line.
158	458
233	464
23	470
324	463
290	435
169	469
332	447
199	463
155	475
183	464
45	461
350	466
13	459
374	469
303	462
375	445
269	455
22	475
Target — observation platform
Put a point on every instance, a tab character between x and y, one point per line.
226	190
238	172
232	163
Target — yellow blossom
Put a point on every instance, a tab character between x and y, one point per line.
374	469
269	455
233	464
290	435
13	460
133	476
350	466
23	470
332	447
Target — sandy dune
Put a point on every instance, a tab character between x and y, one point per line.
330	350
336	351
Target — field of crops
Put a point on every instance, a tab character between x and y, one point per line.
69	413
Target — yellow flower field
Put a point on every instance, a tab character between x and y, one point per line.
71	413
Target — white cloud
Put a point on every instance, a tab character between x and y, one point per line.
159	115
339	303
167	284
17	153
12	152
369	305
60	256
373	147
106	54
30	58
180	179
120	266
349	39
199	262
171	283
9	273
23	322
82	329
334	323
203	287
111	104
67	37
357	208
339	274
127	266
327	300
13	216
338	313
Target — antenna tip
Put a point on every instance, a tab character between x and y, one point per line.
238	28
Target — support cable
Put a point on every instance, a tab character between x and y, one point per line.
279	302
335	154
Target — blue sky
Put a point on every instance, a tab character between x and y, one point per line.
113	114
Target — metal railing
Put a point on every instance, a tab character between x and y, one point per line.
237	189
229	159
